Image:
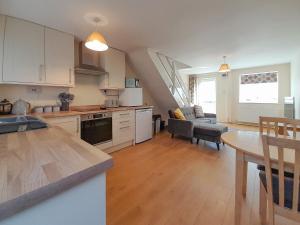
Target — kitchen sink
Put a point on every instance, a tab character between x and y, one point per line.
20	123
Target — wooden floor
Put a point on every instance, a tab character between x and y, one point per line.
172	182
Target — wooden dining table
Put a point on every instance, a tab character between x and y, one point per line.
249	148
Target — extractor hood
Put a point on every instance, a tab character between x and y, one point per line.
88	61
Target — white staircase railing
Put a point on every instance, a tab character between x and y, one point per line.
173	80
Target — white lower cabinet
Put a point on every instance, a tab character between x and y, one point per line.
123	127
71	124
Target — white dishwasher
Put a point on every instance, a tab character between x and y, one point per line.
143	125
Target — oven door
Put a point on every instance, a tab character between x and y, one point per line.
96	131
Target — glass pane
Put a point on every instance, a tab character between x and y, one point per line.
206	95
259	93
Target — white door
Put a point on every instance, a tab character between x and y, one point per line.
143	125
59	57
23	52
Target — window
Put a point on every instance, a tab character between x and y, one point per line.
259	88
206	94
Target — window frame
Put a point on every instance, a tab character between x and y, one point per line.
269	103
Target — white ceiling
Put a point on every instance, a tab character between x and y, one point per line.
196	32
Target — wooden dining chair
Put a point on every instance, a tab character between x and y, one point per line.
280	192
278	126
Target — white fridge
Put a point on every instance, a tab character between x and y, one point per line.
143	125
131	97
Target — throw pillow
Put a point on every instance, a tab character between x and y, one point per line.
178	114
199	111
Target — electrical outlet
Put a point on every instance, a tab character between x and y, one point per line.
35	89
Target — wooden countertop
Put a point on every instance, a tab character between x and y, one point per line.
36	165
75	111
78	110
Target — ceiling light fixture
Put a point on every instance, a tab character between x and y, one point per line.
224	68
95	41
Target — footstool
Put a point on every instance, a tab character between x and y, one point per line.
209	132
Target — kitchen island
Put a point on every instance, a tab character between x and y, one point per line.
48	176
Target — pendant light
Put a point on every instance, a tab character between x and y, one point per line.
224	68
95	41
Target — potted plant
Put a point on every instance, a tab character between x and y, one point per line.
65	99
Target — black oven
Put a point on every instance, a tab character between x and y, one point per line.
96	128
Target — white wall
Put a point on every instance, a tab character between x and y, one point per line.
86	92
44	96
228	107
295	83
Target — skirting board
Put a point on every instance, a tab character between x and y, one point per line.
119	147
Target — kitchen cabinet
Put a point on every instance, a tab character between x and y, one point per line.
59	58
113	62
123	127
71	124
35	55
23	57
2	25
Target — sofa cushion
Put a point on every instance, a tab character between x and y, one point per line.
288	189
198	111
179	115
208	129
188	113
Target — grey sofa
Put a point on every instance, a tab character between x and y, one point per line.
204	128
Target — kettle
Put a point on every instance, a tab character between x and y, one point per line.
21	107
5	107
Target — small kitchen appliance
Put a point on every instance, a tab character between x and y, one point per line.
132	83
5	107
131	97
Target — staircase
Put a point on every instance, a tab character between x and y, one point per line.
168	69
159	73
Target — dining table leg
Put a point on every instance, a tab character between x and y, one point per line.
240	171
245	173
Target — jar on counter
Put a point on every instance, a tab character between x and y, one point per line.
47	108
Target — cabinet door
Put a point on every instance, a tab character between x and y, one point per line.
59	58
123	127
2	21
113	61
70	124
23	52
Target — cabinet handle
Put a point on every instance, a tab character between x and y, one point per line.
124	114
44	72
77	131
127	121
41	72
70	75
124	127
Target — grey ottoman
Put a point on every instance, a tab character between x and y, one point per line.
209	132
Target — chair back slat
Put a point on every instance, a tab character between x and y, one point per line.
280	126
296	180
281	175
281	144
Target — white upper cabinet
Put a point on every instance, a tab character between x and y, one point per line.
2	25
23	60
59	58
35	55
113	62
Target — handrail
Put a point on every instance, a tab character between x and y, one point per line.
177	83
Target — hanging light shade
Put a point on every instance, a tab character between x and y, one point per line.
96	42
224	68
